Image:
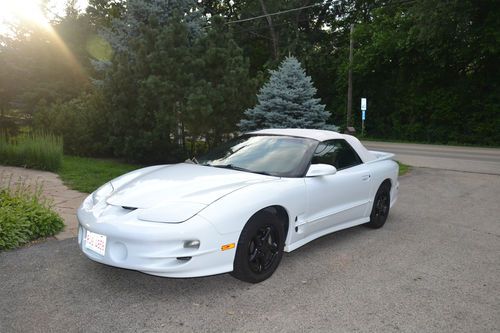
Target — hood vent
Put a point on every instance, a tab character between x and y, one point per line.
129	208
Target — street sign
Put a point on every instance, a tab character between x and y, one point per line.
363	115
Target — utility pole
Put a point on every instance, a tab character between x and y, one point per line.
349	86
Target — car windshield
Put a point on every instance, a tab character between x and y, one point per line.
280	156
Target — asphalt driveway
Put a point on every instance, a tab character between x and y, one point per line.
435	266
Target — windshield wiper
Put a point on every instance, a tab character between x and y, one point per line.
230	166
237	168
192	161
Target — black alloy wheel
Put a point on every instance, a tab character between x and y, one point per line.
263	249
260	248
381	206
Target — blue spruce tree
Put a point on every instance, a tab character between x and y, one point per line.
287	101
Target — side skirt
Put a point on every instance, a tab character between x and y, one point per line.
303	241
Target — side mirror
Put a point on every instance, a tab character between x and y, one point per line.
317	170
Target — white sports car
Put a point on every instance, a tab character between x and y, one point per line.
237	208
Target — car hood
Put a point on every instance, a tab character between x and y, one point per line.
188	186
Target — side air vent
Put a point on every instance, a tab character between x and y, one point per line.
129	208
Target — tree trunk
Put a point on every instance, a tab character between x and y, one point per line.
274	37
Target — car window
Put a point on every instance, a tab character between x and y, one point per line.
281	156
337	153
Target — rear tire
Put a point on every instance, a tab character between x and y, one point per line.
381	206
260	248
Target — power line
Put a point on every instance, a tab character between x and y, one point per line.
277	13
401	2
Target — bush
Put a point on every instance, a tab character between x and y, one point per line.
81	122
25	217
37	151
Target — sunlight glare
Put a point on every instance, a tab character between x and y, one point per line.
29	11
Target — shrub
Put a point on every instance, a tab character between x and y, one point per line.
81	122
24	216
37	151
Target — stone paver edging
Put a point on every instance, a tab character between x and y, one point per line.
64	200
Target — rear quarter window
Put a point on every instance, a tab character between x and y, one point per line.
337	153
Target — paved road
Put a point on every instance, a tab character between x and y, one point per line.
434	267
470	159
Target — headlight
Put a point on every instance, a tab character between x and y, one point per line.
102	193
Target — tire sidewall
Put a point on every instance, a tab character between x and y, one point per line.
242	268
385	187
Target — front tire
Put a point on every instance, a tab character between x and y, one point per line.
381	206
260	248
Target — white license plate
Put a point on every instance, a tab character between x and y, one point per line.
95	242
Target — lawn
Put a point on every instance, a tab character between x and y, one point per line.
87	174
403	168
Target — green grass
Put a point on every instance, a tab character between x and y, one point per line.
403	168
25	216
37	151
87	174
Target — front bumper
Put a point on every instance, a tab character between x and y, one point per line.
157	248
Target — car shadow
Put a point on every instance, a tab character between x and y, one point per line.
296	265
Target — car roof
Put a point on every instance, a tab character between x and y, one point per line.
320	135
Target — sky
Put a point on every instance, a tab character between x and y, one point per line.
12	11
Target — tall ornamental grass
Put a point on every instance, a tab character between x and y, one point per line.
36	151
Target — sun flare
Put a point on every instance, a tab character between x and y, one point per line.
36	15
26	11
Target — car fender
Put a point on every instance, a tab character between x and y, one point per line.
230	213
380	171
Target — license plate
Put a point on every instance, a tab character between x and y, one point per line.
95	242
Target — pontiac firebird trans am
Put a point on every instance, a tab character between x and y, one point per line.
239	207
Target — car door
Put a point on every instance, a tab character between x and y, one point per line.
337	199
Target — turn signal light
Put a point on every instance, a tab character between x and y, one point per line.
227	247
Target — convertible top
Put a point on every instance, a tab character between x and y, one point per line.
322	135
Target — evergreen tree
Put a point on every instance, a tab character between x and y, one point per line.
147	88
144	13
287	101
222	89
172	84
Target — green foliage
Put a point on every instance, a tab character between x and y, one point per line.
287	101
81	122
37	151
173	85
87	174
39	65
403	168
25	217
142	79
10	123
429	71
147	88
222	88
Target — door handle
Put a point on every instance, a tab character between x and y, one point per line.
366	177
